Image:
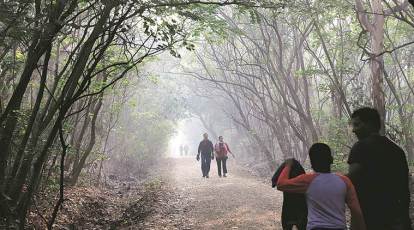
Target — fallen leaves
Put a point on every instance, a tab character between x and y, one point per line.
148	205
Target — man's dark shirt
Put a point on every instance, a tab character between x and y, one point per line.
205	147
382	186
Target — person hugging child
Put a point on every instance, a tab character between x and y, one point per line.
326	193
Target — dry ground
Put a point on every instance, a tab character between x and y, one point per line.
239	201
174	197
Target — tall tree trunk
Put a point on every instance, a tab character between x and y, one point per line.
77	170
377	61
79	139
40	43
375	28
32	119
64	102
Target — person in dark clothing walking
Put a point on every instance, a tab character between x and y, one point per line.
222	149
206	149
378	168
294	209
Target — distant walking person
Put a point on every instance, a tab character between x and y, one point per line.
206	149
181	150
186	150
326	193
379	170
222	149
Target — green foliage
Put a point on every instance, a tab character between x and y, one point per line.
336	134
309	72
340	166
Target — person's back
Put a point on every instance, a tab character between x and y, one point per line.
325	198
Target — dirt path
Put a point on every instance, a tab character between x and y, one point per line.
239	201
174	197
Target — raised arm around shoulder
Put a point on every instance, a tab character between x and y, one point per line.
357	219
298	184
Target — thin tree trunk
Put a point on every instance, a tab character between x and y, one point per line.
77	170
32	119
61	181
40	44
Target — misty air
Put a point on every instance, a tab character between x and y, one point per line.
214	115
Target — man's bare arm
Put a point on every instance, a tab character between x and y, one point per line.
357	218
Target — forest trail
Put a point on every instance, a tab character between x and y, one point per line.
239	201
174	196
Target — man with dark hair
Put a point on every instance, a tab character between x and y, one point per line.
368	117
326	192
206	149
378	168
320	157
